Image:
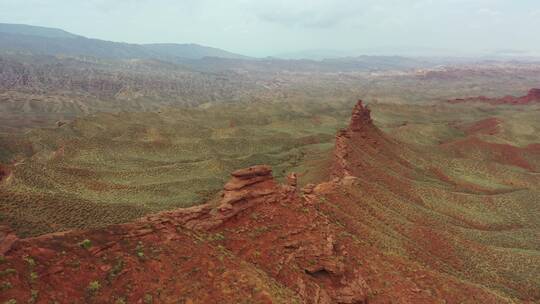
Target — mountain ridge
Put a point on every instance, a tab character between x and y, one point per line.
52	41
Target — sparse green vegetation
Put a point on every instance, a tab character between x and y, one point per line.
115	270
93	287
139	250
148	299
7	272
31	262
216	237
120	301
451	200
5	286
86	244
34	294
159	161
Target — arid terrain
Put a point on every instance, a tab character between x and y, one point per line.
392	221
238	180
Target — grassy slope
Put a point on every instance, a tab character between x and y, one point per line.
85	171
477	212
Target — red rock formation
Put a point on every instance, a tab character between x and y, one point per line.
246	188
362	147
360	118
361	126
532	96
259	242
301	252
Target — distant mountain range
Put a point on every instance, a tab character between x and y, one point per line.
20	38
37	40
410	52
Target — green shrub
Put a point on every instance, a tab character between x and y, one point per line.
8	272
140	250
31	262
93	287
86	244
5	286
120	301
148	299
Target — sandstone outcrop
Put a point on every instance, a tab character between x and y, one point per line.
247	188
295	245
360	117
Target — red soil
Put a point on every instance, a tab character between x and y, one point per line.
460	185
533	96
4	172
499	153
262	242
488	126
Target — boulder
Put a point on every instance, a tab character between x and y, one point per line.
292	180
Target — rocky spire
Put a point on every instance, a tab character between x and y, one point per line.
360	135
361	117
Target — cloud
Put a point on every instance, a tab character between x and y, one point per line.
310	14
489	12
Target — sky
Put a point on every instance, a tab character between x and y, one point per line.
272	27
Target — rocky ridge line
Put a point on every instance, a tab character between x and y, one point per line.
533	96
307	243
360	129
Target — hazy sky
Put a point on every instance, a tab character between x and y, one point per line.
269	27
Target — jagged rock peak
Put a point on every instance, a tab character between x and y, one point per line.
361	116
